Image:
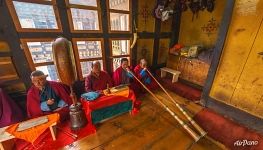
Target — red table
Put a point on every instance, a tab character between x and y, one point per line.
106	101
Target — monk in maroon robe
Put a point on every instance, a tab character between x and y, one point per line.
141	73
97	80
121	76
9	111
46	97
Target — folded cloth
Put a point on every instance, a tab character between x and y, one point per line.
148	81
143	73
33	133
90	96
122	92
44	106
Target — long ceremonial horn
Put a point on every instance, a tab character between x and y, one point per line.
185	126
197	127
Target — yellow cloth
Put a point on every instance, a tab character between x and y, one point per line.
33	133
122	92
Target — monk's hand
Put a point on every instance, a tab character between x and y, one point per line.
50	101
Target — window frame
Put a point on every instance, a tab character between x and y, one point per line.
30	61
119	56
78	60
122	12
70	19
16	21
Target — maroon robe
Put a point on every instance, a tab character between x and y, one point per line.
9	111
33	100
93	83
152	86
117	78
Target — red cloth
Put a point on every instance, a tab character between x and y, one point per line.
45	141
33	133
93	83
152	86
117	78
33	99
180	88
105	101
9	111
227	131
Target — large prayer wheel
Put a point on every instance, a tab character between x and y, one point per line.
64	60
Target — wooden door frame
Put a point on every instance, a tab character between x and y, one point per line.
220	107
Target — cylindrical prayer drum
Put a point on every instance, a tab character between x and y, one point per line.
77	116
64	60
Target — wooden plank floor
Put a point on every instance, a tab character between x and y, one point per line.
153	128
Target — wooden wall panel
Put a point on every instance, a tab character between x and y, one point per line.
4	47
166	26
15	88
193	70
7	71
163	50
146	20
194	32
145	50
240	38
238	81
172	61
248	94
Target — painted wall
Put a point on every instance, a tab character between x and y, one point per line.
204	27
203	30
238	80
147	25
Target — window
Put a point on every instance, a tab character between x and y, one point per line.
86	51
120	48
84	15
35	16
84	2
40	57
119	15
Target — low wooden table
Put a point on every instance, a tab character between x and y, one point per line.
104	104
173	72
6	139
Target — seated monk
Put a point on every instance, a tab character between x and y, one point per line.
141	73
121	76
46	97
97	80
9	111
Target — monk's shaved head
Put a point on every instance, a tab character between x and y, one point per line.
37	73
143	63
124	63
95	63
96	67
38	78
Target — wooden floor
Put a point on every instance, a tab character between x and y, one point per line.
153	128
